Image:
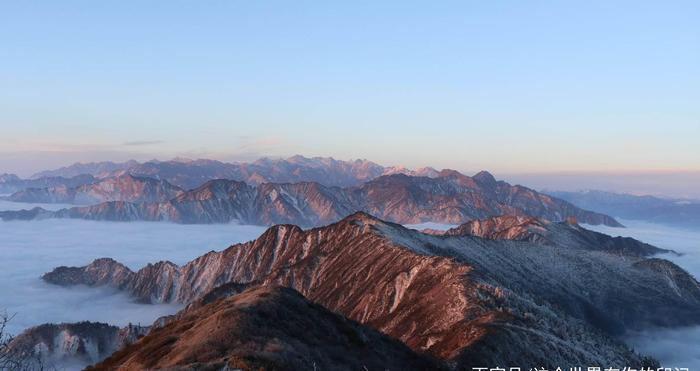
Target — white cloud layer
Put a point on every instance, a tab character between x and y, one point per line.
29	249
430	225
674	347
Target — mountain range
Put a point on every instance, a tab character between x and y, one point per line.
190	174
125	187
459	298
677	212
336	283
10	183
87	184
447	197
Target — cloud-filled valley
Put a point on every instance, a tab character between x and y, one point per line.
30	249
350	186
674	347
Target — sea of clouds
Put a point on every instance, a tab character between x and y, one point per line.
29	249
674	347
431	225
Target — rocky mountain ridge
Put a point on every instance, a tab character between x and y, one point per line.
268	327
10	183
450	197
562	234
125	187
463	299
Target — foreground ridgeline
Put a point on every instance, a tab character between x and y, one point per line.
505	298
268	328
446	197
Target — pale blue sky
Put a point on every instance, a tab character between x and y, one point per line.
510	86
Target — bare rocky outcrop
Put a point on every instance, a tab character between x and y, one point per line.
505	227
448	296
100	272
73	345
563	234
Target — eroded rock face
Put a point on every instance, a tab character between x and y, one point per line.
509	227
105	271
447	296
563	234
449	197
73	344
266	328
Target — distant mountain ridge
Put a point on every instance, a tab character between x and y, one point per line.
449	197
685	213
189	174
97	169
121	188
11	183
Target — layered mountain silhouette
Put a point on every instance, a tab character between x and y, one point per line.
518	282
10	183
462	299
121	188
101	169
676	212
448	197
190	174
